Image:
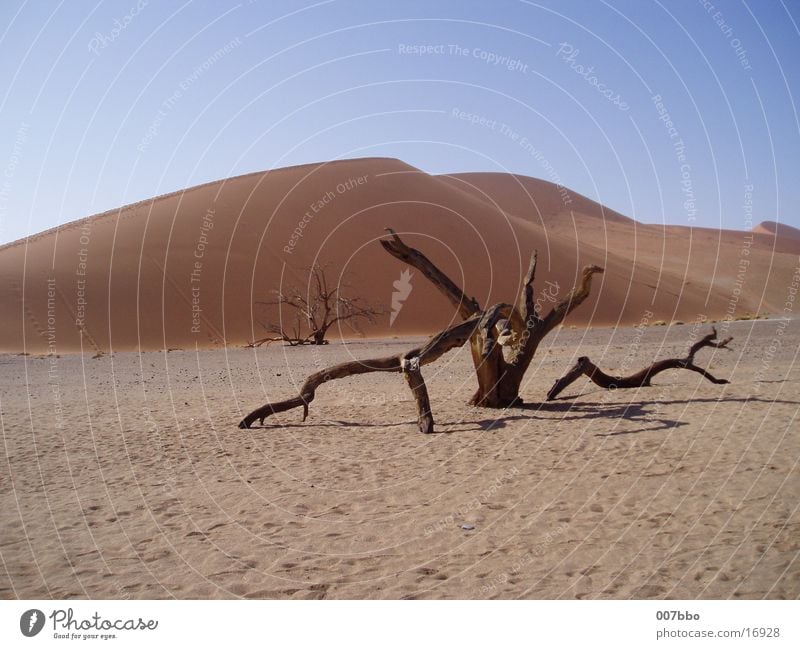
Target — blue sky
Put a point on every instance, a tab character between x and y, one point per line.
107	103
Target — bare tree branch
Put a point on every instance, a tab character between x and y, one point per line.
397	248
321	309
643	377
436	346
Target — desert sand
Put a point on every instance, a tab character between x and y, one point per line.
125	476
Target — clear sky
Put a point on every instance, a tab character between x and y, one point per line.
106	103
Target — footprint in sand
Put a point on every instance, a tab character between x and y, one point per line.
649	591
201	535
263	594
430	572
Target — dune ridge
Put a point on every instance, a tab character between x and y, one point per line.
186	268
778	230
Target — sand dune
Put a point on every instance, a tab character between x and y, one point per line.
779	230
186	268
737	272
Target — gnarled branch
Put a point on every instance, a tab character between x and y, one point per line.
643	377
577	295
439	344
527	305
397	248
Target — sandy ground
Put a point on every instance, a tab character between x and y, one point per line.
126	477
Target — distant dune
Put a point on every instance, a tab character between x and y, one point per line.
779	230
186	268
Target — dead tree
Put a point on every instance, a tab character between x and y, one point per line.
643	377
319	307
518	328
282	333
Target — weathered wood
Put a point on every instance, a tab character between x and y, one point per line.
499	380
643	377
574	298
436	346
397	248
419	390
518	327
308	390
527	304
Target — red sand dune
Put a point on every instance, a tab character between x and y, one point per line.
779	230
185	269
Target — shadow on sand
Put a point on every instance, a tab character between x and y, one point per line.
636	411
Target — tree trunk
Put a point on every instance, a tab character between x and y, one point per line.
520	326
420	392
